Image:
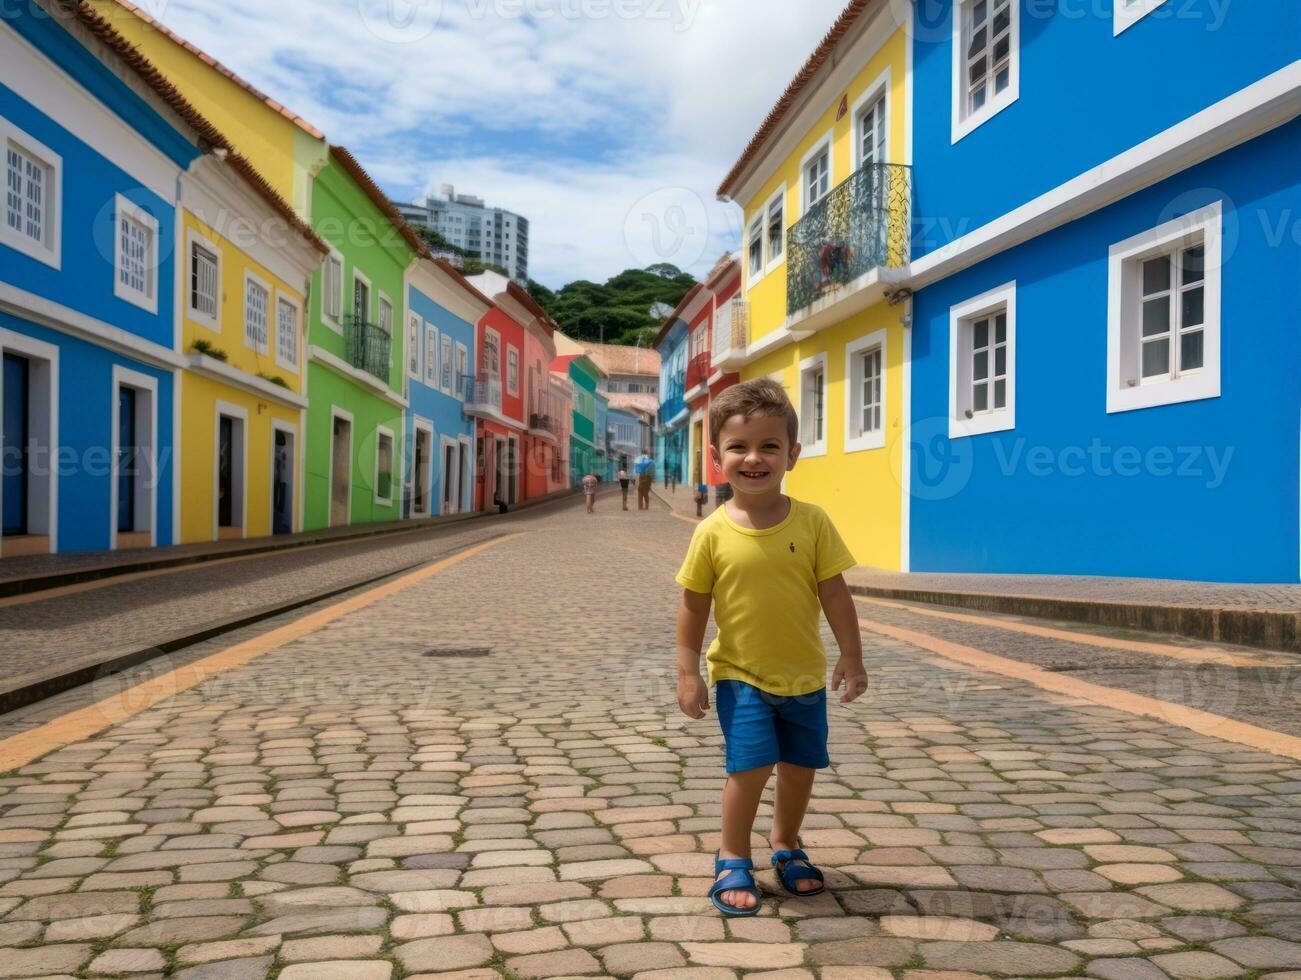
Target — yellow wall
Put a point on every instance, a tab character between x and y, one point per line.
861	490
198	461
282	152
200	394
767	296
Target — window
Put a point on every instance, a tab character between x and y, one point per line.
462	368
447	364
386	315
776	228
136	264
360	299
512	371
985	61
1163	320
205	284
813	405
332	288
257	300
982	363
286	334
491	355
872	133
865	394
33	176
431	356
383	466
817	177
413	346
1127	13
754	247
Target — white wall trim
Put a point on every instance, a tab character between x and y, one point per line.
853	385
905	446
878	89
257	280
334	323
421	424
384	430
50	253
963	124
147	300
192	238
1127	13
999	420
221	371
45	520
290	299
339	413
341	367
811	450
827	141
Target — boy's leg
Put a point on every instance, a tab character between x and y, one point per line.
741	796
790	803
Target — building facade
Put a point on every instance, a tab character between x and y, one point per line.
672	436
442	309
629	388
494	398
705	380
585	376
494	236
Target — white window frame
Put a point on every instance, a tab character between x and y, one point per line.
415	364
462	358
808	367
193	239
446	370
879	90
1123	358
380	432
148	300
827	144
333	320
854	352
493	369
777	201
1127	13
297	307
147	478
50	249
512	370
252	277
755	229
961	318
350	297
380	303
963	121
431	363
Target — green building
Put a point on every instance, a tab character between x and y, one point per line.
586	444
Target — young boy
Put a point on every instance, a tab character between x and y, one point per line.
767	563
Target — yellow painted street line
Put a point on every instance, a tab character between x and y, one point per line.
76	726
1190	654
1202	722
684	517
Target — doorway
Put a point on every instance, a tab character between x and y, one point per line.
282	482
14	444
450	479
127	460
340	469
698	456
421	502
500	491
512	470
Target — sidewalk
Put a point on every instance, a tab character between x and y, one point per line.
1266	616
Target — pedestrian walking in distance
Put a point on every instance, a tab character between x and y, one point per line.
645	470
623	487
767	564
589	491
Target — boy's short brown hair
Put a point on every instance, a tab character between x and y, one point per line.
761	397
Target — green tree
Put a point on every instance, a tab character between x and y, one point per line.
618	311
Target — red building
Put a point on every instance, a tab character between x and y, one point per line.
708	341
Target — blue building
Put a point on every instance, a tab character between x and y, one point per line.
88	319
1105	355
442	310
671	430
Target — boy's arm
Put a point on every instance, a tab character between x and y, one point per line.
842	616
693	617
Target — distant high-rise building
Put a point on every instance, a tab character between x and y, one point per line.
492	235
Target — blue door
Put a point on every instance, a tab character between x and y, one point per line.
127	455
13	453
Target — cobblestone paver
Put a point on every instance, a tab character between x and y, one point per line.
346	806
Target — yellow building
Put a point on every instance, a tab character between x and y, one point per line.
825	190
243	268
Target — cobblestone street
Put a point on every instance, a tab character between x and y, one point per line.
474	777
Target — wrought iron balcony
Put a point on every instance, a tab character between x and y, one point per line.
367	346
861	225
481	396
698	369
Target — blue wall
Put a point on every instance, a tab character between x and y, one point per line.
1012	502
1085	96
443	411
85	438
670	447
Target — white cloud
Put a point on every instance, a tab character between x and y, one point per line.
666	91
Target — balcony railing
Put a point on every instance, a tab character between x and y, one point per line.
698	369
731	332
367	346
862	224
481	394
626	436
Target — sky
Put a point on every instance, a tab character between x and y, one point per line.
607	123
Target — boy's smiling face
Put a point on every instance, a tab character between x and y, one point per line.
755	453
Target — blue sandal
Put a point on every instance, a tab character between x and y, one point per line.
790	871
741	879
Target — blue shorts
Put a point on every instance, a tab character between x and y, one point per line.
762	729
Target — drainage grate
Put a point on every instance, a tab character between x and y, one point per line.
458	652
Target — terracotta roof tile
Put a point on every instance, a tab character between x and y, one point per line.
619	359
820	56
632	401
130	55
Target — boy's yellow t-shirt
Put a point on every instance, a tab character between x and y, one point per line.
765	589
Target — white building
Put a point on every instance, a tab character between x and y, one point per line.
492	235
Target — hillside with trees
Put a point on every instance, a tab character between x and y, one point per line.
627	309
